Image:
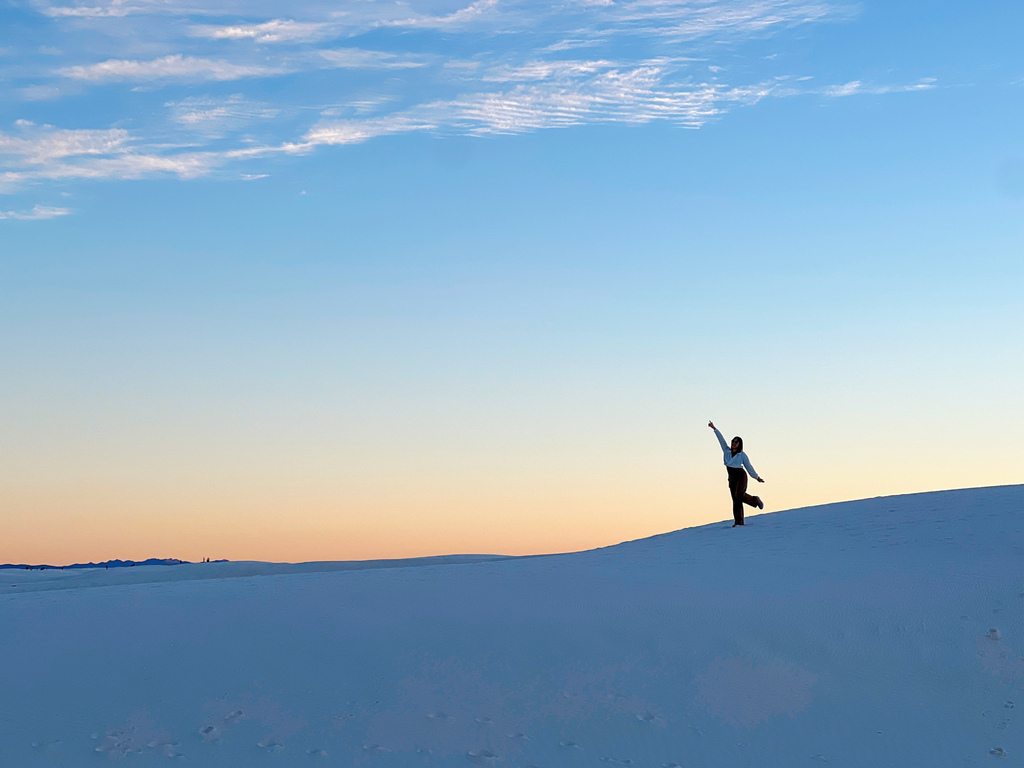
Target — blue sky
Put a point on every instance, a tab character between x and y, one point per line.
454	265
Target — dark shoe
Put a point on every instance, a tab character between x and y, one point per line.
759	504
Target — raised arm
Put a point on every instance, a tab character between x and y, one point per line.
721	440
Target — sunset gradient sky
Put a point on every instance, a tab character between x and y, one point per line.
306	281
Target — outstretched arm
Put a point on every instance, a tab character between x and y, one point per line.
750	468
721	440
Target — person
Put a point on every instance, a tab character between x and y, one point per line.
737	465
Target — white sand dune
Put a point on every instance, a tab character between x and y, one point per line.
20	581
882	632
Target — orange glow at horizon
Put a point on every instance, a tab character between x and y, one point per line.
274	521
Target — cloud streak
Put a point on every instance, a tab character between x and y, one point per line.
857	88
41	153
273	31
215	116
115	9
38	213
175	66
471	13
635	96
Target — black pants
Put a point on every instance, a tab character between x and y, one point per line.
738	490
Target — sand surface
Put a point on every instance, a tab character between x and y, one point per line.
882	632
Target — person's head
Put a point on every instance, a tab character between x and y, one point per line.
737	445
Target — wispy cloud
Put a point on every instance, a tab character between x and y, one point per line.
175	66
357	58
215	116
681	20
856	87
471	13
37	145
546	70
358	131
273	31
40	93
37	213
130	165
112	10
571	44
46	153
636	95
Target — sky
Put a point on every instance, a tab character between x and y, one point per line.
311	281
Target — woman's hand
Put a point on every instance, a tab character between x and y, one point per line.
711	424
760	479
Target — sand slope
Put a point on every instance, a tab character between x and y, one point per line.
871	633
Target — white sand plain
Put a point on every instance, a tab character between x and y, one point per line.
881	632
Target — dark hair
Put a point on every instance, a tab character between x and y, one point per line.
736	450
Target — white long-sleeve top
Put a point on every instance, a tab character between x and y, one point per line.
737	461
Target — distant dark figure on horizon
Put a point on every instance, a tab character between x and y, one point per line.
735	461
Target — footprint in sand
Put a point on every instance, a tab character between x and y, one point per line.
316	752
165	748
119	742
233	717
519	736
671	765
993	634
440	715
481	757
271	744
1008	705
45	744
616	761
210	733
569	745
374	747
648	717
483	720
998	752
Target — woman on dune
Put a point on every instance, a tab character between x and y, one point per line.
735	461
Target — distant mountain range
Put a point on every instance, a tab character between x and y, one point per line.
105	564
